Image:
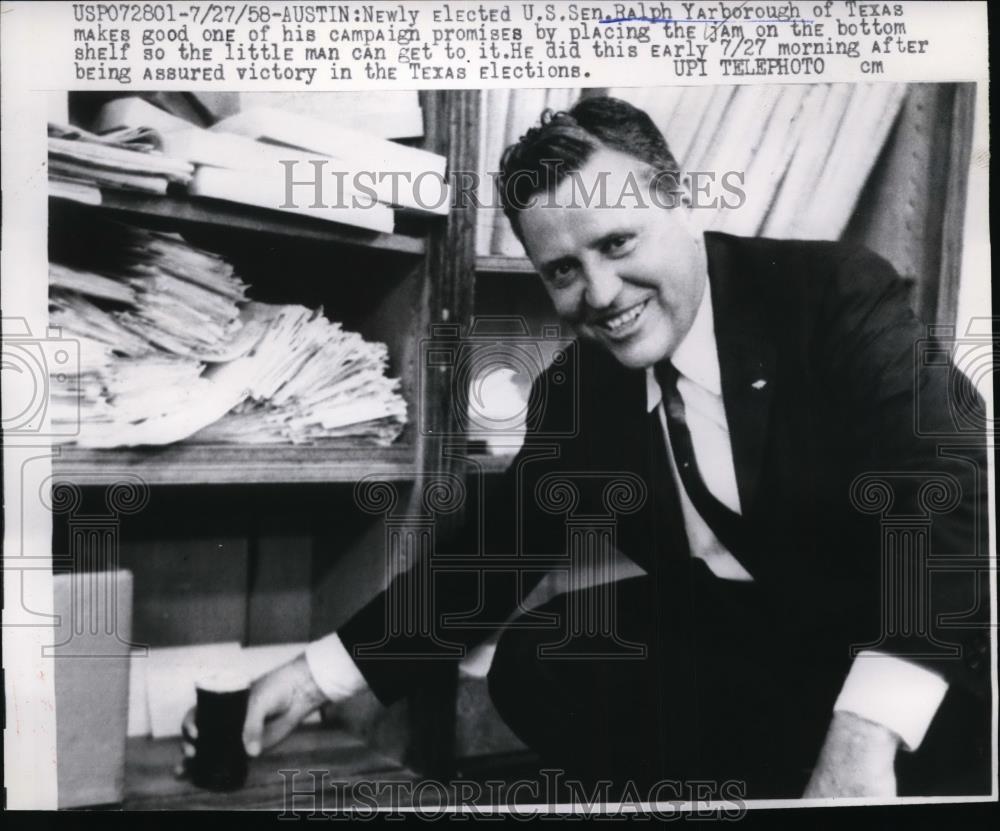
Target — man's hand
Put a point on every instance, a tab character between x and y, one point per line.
278	703
857	759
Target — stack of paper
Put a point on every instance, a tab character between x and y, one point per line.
267	188
147	313
403	176
312	382
177	298
169	345
131	159
388	114
134	112
353	176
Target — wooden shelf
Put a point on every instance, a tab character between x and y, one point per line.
504	265
150	783
190	464
219	213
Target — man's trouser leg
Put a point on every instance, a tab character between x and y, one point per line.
721	694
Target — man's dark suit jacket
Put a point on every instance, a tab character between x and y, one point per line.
824	386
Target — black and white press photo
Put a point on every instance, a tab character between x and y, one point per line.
442	447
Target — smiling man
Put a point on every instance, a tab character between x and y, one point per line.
627	274
756	399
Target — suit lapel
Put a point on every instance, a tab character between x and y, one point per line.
618	439
746	362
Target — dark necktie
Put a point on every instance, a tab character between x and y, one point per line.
676	665
726	524
671	542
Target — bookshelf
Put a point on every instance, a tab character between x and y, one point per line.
267	544
210	464
389	287
494	264
151	786
182	210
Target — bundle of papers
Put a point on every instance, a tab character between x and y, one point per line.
310	382
130	159
407	177
388	114
176	298
267	189
148	314
169	345
240	159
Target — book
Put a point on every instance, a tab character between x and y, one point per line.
203	147
388	114
268	190
84	192
129	159
135	112
234	152
419	175
294	130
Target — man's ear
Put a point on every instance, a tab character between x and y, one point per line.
685	212
685	198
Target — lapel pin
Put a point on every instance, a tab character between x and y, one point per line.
759	384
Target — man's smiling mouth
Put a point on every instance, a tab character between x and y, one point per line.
621	322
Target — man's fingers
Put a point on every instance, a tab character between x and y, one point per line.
276	729
182	770
188	727
253	725
189	735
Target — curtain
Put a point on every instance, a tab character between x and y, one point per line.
805	151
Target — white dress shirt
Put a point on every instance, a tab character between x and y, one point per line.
890	691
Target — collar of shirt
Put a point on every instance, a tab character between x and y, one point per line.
695	358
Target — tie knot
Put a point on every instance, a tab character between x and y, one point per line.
666	376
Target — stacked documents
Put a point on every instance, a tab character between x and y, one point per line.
353	175
311	381
148	313
129	159
168	345
399	175
162	291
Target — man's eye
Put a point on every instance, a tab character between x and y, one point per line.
615	244
562	273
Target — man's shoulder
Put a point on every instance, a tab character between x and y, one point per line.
808	261
787	275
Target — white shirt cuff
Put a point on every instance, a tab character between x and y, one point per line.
332	668
898	694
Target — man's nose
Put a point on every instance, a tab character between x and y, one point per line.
603	285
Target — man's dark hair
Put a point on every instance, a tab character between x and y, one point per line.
564	142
